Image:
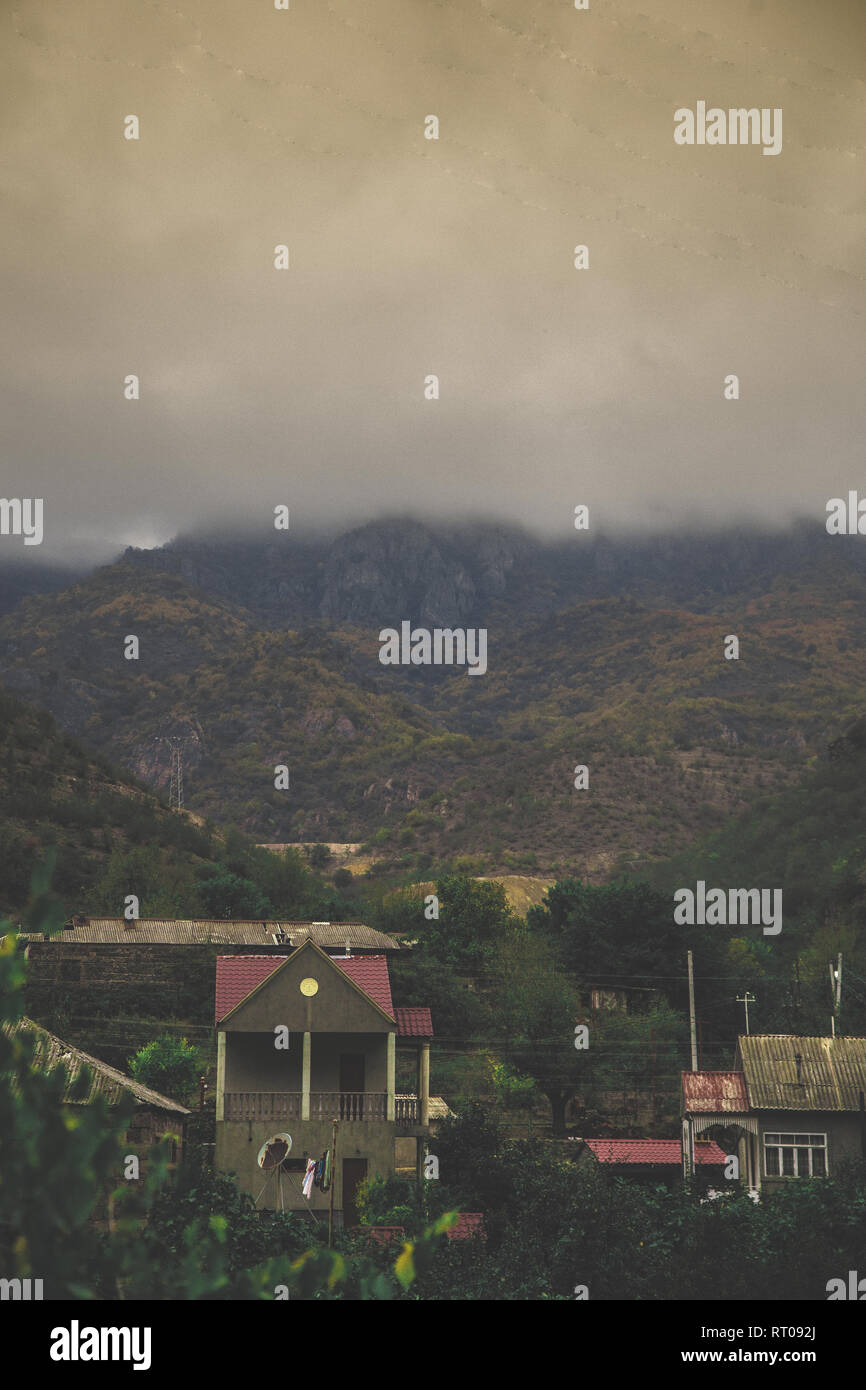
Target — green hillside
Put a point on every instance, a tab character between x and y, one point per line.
424	766
110	836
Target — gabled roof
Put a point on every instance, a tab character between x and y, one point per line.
665	1152
830	1075
371	974
714	1093
50	1051
239	976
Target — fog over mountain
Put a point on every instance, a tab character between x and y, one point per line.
411	257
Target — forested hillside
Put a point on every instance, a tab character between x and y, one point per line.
425	764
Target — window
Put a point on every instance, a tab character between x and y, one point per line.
795	1155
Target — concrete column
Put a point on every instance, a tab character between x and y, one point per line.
391	1078
424	1089
221	1076
744	1158
305	1077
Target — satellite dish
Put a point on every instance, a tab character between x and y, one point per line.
273	1151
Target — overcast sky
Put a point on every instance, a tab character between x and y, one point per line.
411	256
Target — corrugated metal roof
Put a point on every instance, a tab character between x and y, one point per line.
105	1080
714	1092
233	932
654	1151
831	1074
438	1107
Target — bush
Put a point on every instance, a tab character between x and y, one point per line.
170	1065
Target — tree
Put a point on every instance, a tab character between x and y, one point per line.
162	1243
225	894
167	1064
474	919
537	1009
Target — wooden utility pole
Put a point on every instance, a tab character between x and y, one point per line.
333	1185
692	1014
835	991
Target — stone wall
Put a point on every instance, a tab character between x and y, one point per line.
112	999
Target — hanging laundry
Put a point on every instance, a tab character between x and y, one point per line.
317	1180
307	1185
326	1170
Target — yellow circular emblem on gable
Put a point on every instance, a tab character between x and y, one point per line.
309	986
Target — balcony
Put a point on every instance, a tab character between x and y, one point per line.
288	1105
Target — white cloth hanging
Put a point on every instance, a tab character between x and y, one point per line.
307	1185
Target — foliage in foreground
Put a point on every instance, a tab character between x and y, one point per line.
59	1162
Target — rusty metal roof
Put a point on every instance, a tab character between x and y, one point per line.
50	1052
714	1093
830	1075
232	932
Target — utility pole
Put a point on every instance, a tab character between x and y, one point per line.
333	1185
746	999
835	991
692	1014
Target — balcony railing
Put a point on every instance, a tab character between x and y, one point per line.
348	1105
262	1105
407	1110
324	1105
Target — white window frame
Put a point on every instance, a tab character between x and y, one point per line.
776	1139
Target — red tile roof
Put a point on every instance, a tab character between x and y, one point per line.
371	973
381	1235
238	976
714	1092
650	1151
468	1224
414	1023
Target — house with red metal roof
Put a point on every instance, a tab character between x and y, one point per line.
794	1108
306	1054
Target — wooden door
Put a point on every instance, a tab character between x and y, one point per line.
354	1172
353	1080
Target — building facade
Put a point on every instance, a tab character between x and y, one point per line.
307	1049
793	1108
